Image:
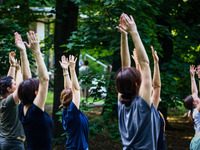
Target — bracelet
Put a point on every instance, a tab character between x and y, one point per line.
199	78
12	65
64	74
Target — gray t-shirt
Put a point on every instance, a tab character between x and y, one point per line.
10	125
138	125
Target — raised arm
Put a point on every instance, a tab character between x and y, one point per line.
156	80
64	64
125	56
12	61
18	74
193	82
74	81
143	60
26	72
41	68
134	56
198	73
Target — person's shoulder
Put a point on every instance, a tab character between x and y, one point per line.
141	102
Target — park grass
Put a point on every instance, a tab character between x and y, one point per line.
49	97
177	111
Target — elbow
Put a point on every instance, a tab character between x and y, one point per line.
144	65
44	79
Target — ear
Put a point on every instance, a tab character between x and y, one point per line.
136	84
36	92
8	89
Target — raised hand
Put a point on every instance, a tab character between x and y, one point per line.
18	42
129	24
198	70
18	64
155	56
72	62
134	56
192	70
12	59
33	42
65	63
121	29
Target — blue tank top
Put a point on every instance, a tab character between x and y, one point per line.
139	125
37	127
75	123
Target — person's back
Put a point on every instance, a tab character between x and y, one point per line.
75	123
10	126
134	124
37	126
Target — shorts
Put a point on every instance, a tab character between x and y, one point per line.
195	143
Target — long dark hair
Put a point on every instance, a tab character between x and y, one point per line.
27	89
126	84
188	104
5	82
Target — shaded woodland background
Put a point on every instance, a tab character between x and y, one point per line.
88	26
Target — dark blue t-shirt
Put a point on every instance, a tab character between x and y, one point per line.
75	123
37	127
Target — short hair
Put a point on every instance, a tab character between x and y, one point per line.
126	84
86	62
5	82
27	89
65	98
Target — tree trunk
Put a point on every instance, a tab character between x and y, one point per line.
66	22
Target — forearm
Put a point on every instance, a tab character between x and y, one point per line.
67	81
140	50
193	86
41	67
26	72
156	76
18	77
125	56
74	80
11	72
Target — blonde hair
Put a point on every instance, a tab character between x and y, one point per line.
65	98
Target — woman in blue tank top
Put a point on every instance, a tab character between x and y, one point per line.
37	124
138	118
75	123
192	102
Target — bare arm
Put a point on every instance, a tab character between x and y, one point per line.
18	75
156	80
26	72
193	82
198	73
125	56
143	60
74	82
12	61
134	56
41	68
64	64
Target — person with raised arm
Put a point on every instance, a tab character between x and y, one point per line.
137	116
33	93
11	130
74	122
192	103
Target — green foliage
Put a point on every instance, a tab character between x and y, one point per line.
7	44
15	17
